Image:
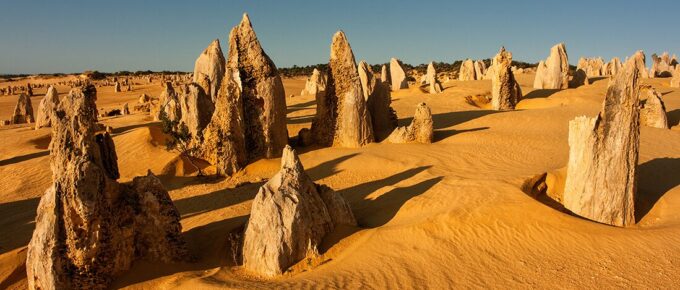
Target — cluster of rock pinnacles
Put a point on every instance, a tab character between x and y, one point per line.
90	227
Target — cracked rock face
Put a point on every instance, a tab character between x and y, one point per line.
289	217
89	227
23	111
653	112
505	90
603	154
209	69
553	73
262	94
342	117
249	121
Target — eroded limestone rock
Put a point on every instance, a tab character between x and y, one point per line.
209	69
342	117
397	75
289	217
505	90
47	107
90	228
603	154
420	130
653	111
554	72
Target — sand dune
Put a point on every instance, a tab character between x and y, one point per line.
443	215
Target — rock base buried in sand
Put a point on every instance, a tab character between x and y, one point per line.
90	228
603	154
289	217
419	131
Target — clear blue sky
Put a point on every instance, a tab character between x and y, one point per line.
72	36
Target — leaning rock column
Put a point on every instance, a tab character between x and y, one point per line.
397	75
603	152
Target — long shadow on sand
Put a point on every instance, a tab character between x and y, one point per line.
226	197
376	212
300	106
539	93
651	186
17	223
656	177
208	244
443	134
673	117
23	158
449	119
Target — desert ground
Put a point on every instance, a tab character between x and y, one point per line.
450	214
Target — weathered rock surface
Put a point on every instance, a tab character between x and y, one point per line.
397	75
467	71
169	104
675	81
613	67
262	94
384	75
640	64
431	79
554	72
421	129
315	84
661	66
116	87
342	118
46	108
653	111
505	90
603	154
480	69
23	111
367	79
289	217
89	227
224	142
209	69
593	67
196	109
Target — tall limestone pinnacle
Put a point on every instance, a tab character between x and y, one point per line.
209	69
249	122
505	91
553	73
262	94
342	117
89	227
601	182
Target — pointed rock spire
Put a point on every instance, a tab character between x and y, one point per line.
47	107
289	217
342	117
505	91
209	69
